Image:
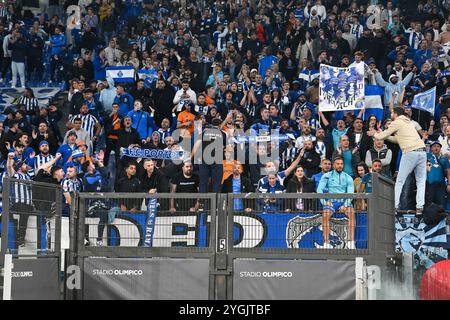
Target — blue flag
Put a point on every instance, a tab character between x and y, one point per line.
425	101
373	103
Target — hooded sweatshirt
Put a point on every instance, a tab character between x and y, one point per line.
390	88
402	132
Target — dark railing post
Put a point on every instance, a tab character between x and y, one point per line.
5	219
221	248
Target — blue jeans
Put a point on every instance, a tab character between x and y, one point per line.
215	171
412	161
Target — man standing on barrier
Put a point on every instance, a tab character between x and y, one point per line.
337	181
414	158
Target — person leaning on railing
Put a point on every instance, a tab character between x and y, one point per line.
299	183
337	181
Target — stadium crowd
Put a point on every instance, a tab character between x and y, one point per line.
218	69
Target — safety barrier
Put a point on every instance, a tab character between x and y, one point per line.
31	239
217	246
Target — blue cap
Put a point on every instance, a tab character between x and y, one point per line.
18	165
77	154
42	143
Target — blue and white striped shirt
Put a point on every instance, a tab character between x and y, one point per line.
287	157
71	185
414	39
88	122
40	160
21	192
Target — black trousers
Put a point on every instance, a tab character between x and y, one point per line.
25	211
5	66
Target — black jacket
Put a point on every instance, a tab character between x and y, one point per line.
246	185
310	162
307	186
365	143
156	181
127	138
126	185
19	50
163	100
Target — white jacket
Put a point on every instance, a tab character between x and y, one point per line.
191	94
6	53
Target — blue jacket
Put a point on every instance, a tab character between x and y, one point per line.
265	64
141	122
421	56
439	167
270	204
66	152
164	133
125	102
336	183
57	42
99	69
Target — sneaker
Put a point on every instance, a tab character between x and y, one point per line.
99	243
351	245
419	211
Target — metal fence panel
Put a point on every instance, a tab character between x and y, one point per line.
35	279
293	280
31	218
126	224
139	279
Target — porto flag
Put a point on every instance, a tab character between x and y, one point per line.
121	74
425	101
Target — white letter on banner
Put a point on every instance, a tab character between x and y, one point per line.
253	231
163	235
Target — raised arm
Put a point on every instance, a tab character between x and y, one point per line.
10	165
379	79
324	120
294	164
49	164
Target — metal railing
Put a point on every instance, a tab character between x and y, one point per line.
221	228
115	225
31	239
31	219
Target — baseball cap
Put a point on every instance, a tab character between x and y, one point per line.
435	142
371	61
253	70
42	143
18	165
81	143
